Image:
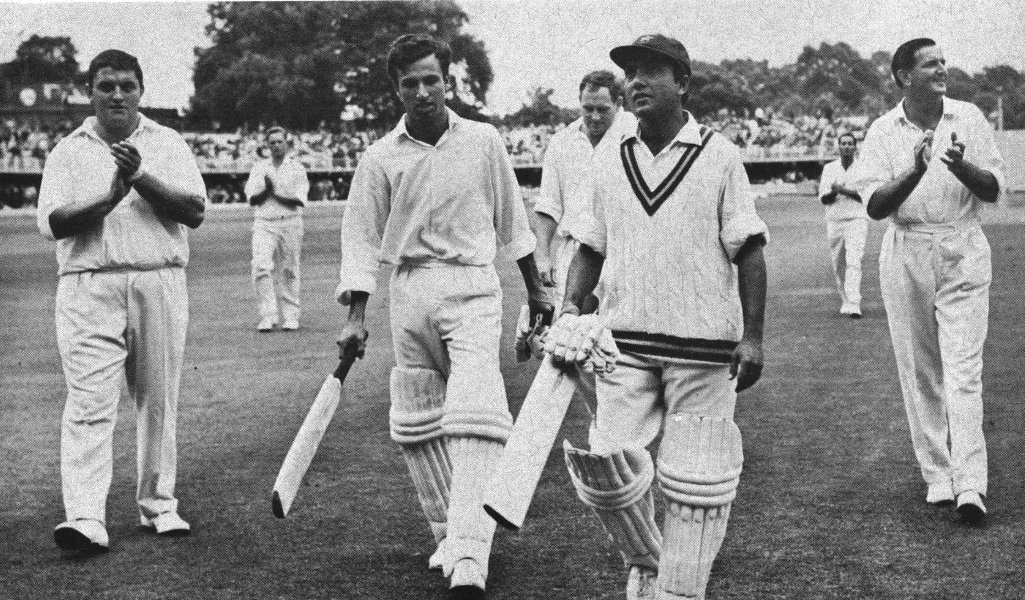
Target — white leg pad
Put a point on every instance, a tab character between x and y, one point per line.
617	487
699	464
470	529
416	409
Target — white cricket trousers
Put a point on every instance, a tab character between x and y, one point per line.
277	245
114	326
935	287
635	400
846	249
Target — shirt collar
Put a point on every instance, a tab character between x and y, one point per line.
689	134
453	122
900	116
88	128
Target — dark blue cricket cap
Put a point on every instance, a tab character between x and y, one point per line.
652	43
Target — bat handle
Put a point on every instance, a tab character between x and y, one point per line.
344	365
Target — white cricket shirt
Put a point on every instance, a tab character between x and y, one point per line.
455	202
845	208
939	198
132	236
290	181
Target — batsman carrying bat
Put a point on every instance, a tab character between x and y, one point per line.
304	447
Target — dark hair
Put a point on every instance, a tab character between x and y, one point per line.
275	129
904	57
847	134
117	60
409	48
603	79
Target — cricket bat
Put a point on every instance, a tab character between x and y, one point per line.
526	451
304	447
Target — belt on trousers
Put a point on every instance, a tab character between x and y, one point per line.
937	228
279	217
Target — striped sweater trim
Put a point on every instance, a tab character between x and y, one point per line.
650	200
670	346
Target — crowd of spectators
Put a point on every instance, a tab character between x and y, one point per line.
765	135
762	134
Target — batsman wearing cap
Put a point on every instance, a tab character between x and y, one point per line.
677	245
929	165
437	197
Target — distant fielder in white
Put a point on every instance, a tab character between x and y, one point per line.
117	195
278	187
929	164
437	197
677	244
846	225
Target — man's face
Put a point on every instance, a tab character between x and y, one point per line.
599	110
277	145
651	87
115	97
421	88
929	75
847	146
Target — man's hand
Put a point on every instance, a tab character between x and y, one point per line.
127	158
583	340
541	307
118	189
546	270
746	366
268	184
954	157
923	152
529	336
352	341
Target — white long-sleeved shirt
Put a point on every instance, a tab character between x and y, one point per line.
132	236
290	181
567	159
845	207
939	198
455	202
672	272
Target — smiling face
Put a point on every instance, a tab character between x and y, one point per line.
115	98
846	145
929	75
421	88
652	87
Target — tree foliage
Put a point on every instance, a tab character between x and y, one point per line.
298	63
43	59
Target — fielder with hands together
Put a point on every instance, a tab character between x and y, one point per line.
934	266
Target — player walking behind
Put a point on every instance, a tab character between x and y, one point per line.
566	164
677	243
278	187
436	197
929	164
117	195
846	225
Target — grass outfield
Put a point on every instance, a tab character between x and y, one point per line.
831	504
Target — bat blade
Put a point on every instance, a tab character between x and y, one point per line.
304	447
518	471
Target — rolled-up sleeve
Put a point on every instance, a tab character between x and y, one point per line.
302	184
871	169
255	184
986	155
739	221
549	200
55	189
512	228
181	169
366	213
589	226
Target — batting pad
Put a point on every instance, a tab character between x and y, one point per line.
490	425
699	464
470	529
415	416
617	487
